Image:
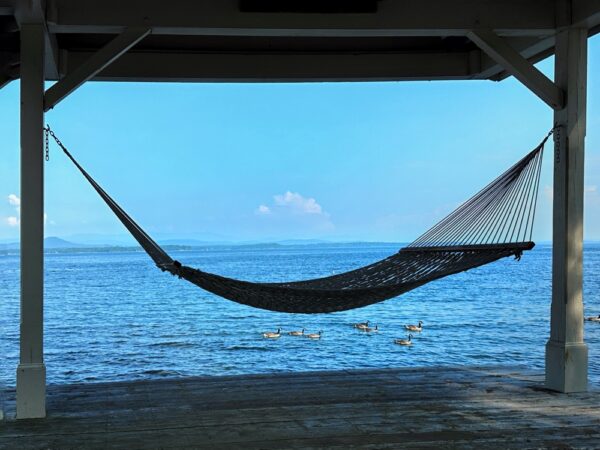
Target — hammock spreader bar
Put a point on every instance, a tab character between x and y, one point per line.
495	223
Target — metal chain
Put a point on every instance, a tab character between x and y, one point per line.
50	133
556	129
47	143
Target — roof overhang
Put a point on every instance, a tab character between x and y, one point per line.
259	40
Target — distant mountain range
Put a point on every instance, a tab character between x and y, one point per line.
56	243
210	243
49	243
53	242
191	242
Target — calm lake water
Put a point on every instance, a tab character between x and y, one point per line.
113	316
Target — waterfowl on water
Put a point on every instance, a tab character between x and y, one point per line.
314	335
371	330
296	333
404	341
593	319
417	328
272	335
361	325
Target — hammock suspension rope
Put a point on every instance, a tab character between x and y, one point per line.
495	223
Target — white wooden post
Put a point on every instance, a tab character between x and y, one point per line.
31	373
566	353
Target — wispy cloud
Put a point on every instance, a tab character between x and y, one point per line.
298	204
14	200
292	210
12	221
263	209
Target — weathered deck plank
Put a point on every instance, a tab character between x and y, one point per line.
384	408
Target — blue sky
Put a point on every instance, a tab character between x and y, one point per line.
240	162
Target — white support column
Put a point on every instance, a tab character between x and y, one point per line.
31	373
566	353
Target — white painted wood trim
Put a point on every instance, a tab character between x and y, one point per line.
31	373
515	64
93	65
566	352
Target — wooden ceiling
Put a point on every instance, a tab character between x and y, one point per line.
263	41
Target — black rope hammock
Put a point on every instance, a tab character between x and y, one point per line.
495	223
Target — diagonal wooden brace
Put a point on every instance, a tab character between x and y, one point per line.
515	64
95	64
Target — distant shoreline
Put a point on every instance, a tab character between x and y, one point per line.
55	243
171	247
81	249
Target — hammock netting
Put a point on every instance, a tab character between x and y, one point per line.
495	223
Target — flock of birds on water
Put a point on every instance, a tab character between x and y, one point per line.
364	327
361	326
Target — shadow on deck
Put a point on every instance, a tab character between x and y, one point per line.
435	407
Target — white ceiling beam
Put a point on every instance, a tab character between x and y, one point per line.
515	64
93	65
222	17
278	67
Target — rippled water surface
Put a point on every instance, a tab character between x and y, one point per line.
113	316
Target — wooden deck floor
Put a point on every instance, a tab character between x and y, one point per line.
377	409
